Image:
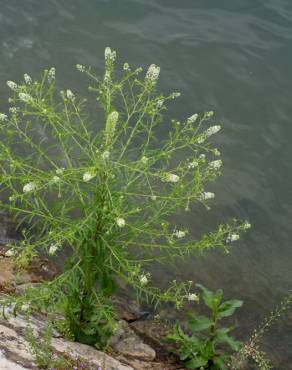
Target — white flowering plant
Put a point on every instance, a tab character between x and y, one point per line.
99	183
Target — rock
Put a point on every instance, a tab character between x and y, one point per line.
43	269
127	343
8	233
14	347
6	272
135	348
6	364
153	333
93	356
151	330
13	280
127	310
153	365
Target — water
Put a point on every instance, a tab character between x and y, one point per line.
232	56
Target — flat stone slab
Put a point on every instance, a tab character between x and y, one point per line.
6	364
14	349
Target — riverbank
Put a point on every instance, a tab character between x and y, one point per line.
137	344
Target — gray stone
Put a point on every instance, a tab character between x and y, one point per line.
127	310
127	343
14	349
6	364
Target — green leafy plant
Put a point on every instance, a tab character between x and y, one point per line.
89	175
41	347
210	346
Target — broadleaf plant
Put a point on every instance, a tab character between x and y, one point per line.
90	176
210	346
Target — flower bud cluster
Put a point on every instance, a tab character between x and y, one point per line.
153	73
109	55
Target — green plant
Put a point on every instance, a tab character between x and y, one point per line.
98	181
44	356
251	349
207	347
41	347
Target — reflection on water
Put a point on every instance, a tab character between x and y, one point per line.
233	57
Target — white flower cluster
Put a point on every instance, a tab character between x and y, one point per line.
59	171
209	114
171	177
30	186
212	130
53	249
193	164
52	74
152	73
70	95
12	85
232	238
144	279
206	195
193	297
201	139
109	54
27	79
107	77
111	123
3	117
26	98
105	155
88	176
80	67
216	152
246	225
175	95
215	165
10	253
179	234
113	117
126	67
159	103
56	179
120	222
13	110
144	159
193	118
